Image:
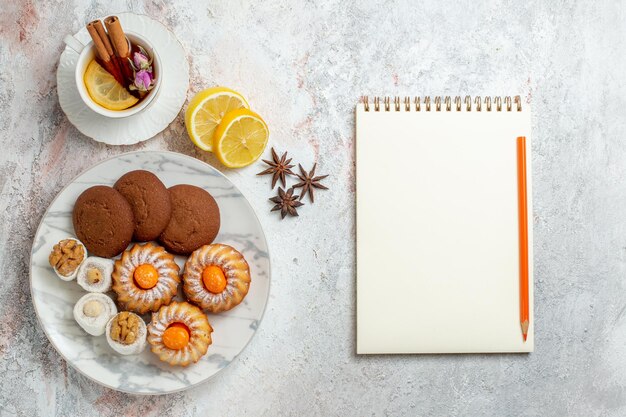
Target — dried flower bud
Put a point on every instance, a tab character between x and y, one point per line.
141	61
143	80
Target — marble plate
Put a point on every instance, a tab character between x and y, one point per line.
145	374
144	125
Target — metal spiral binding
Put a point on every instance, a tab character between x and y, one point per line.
441	103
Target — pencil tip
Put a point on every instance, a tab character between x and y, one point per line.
525	329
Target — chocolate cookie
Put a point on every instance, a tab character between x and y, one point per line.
149	200
103	221
195	220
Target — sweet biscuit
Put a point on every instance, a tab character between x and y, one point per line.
195	220
103	221
150	202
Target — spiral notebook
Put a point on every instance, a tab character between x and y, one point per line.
437	225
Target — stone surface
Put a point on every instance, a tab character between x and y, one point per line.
303	66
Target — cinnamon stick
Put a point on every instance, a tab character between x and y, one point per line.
120	43
107	44
101	51
118	38
102	54
103	35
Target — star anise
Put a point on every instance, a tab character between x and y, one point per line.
279	168
309	182
286	202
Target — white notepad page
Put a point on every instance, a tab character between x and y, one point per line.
438	231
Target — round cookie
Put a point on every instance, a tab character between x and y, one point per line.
195	220
149	200
103	221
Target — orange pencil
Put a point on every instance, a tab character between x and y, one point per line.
523	235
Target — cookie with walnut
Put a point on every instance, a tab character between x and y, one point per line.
126	333
66	258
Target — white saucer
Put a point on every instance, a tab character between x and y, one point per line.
142	126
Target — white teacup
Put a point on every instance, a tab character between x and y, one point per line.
88	52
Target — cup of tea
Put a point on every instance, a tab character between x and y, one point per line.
87	53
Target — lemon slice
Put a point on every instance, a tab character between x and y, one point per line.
105	90
240	138
205	112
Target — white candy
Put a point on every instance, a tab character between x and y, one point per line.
134	348
73	274
104	266
93	311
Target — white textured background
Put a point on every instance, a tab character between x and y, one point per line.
303	66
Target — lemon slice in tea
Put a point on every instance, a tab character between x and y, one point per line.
105	90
